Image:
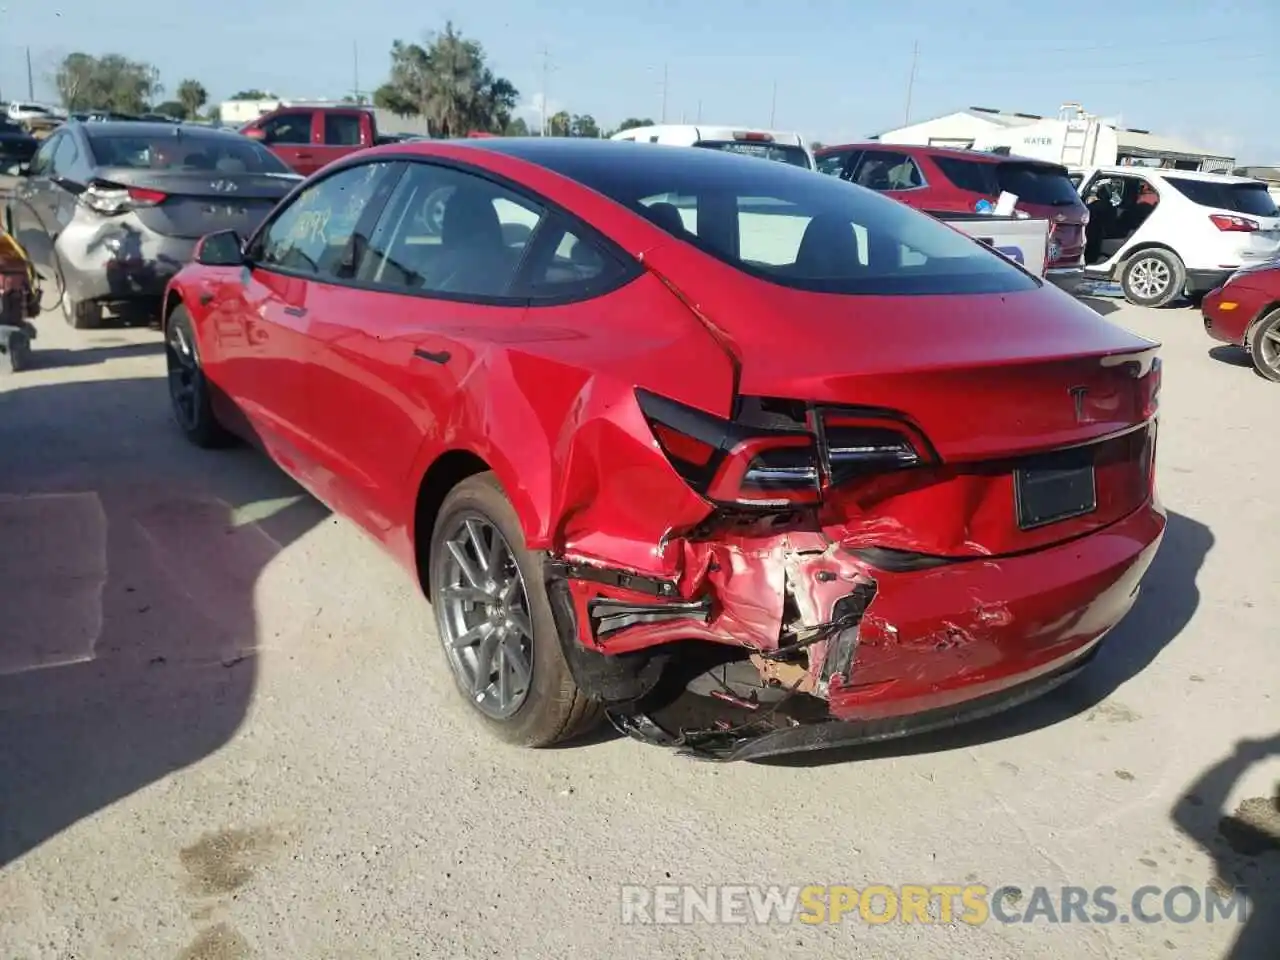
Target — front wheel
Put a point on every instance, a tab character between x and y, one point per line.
188	388
494	619
1264	346
1153	278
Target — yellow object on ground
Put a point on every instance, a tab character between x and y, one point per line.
13	256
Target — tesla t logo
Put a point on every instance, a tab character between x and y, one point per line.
223	186
1077	396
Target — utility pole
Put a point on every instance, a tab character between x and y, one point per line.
355	72
664	93
31	83
911	79
546	69
773	104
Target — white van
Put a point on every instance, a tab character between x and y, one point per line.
766	144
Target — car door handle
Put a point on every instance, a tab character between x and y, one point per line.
441	357
206	298
296	311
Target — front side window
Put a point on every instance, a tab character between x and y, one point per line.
833	164
64	158
786	226
887	170
313	234
287	128
42	161
451	233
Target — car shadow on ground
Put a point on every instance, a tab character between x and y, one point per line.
1231	355
1166	604
128	563
1244	844
58	358
1101	305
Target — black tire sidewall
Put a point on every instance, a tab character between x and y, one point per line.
206	431
547	708
1269	322
1177	278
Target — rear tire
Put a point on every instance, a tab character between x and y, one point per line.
1153	278
15	349
81	314
1264	346
188	388
546	706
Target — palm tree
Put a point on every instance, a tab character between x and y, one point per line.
192	95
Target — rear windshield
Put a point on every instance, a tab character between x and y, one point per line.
165	151
796	156
1031	183
791	227
1237	197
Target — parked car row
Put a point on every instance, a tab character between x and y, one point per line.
452	343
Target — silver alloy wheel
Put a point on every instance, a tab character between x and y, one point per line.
1150	278
1269	347
482	611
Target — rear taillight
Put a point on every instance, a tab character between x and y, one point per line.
111	199
734	462
1151	395
1229	224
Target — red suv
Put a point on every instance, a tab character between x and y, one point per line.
943	180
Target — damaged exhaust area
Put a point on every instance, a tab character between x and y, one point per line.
844	584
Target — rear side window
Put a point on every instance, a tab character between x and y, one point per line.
1034	183
1251	198
973	176
341	130
445	232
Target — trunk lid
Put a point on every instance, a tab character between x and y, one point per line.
198	203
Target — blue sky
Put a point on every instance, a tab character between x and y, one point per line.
1204	73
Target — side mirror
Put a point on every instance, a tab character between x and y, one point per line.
221	249
256	133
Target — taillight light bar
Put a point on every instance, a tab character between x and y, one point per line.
1229	224
735	463
111	199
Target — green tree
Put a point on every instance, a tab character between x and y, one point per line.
448	82
192	95
631	123
583	125
253	93
112	82
559	124
816	145
517	128
172	108
390	97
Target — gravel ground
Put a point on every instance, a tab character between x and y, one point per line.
226	731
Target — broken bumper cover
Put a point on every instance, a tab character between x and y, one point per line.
932	648
833	734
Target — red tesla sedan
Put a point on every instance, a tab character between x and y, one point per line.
1245	311
749	459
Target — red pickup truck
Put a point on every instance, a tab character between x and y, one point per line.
308	138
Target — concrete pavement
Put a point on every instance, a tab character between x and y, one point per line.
226	730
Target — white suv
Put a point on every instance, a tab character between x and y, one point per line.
1162	233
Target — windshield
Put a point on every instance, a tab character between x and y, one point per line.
1251	198
792	227
796	156
189	152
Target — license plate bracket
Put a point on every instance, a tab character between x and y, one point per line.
1054	488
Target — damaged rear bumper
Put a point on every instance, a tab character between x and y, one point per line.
847	646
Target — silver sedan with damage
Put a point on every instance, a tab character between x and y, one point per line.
109	211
